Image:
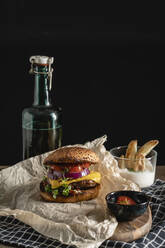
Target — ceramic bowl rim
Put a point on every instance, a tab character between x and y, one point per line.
135	192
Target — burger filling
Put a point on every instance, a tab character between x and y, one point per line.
68	180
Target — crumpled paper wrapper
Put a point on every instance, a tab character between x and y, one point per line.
84	224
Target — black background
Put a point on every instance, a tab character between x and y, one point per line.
108	70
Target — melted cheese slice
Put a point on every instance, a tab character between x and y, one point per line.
94	175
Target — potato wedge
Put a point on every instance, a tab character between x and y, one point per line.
146	148
121	162
130	152
139	164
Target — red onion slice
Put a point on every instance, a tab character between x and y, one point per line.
53	174
76	175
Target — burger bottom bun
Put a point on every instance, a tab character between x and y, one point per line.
85	195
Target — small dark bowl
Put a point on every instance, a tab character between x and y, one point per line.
127	212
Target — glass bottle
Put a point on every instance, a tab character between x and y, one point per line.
41	123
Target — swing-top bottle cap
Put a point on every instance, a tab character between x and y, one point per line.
41	60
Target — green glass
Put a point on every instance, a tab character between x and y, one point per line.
41	123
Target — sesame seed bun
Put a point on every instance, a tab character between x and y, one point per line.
71	155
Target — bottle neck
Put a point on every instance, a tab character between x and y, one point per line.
41	90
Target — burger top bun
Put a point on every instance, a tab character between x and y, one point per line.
72	154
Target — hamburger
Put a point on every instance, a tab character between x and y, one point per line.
69	177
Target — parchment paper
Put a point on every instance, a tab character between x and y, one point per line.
84	224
